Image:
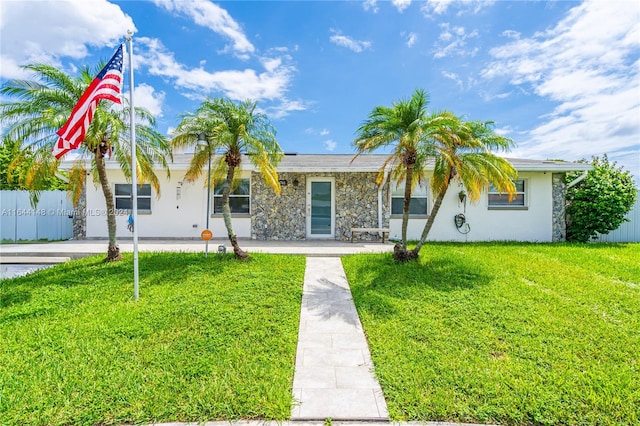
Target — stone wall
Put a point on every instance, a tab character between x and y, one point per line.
559	231
278	217
284	217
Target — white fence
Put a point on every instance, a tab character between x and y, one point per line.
51	219
628	232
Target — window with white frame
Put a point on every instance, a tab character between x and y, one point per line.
124	197
239	199
501	200
418	205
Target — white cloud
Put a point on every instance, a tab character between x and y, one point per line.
453	77
57	29
453	41
401	5
588	65
440	7
268	84
511	34
437	7
411	39
314	132
284	107
145	96
11	69
330	145
352	44
370	5
212	16
490	97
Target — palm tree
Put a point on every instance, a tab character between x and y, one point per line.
230	129
403	127
11	170
43	106
464	151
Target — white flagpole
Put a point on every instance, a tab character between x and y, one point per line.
134	177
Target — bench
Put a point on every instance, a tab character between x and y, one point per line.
384	231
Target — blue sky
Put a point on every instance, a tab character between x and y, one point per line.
562	78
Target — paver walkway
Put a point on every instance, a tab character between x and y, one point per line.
334	373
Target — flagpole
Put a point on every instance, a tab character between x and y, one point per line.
134	177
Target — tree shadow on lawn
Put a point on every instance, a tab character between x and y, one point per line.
14	297
446	275
378	281
85	276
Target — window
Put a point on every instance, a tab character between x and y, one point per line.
123	197
239	199
418	205
500	200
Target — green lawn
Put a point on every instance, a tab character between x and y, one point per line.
507	333
209	339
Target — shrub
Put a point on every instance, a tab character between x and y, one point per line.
599	203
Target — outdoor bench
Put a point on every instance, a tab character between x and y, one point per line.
384	231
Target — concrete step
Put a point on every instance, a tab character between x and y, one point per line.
39	259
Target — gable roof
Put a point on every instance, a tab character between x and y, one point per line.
363	163
373	163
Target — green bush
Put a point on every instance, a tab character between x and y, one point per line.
599	203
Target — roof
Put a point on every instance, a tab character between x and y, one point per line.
361	163
373	163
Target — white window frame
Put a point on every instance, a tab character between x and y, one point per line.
232	195
419	192
519	195
117	197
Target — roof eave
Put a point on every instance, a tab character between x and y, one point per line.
556	168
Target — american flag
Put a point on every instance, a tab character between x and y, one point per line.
106	85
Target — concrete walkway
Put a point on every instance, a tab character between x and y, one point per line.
80	248
19	259
334	373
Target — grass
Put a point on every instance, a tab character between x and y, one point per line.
210	338
507	333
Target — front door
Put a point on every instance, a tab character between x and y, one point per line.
320	208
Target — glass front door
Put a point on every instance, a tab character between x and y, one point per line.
320	208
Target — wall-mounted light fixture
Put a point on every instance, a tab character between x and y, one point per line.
295	182
462	196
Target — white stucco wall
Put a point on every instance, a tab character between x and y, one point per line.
170	217
532	224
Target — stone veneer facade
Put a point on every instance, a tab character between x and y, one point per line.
559	230
284	217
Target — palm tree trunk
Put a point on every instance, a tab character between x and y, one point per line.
434	212
113	251
429	224
400	251
226	214
405	207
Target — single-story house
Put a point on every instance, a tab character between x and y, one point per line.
325	196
